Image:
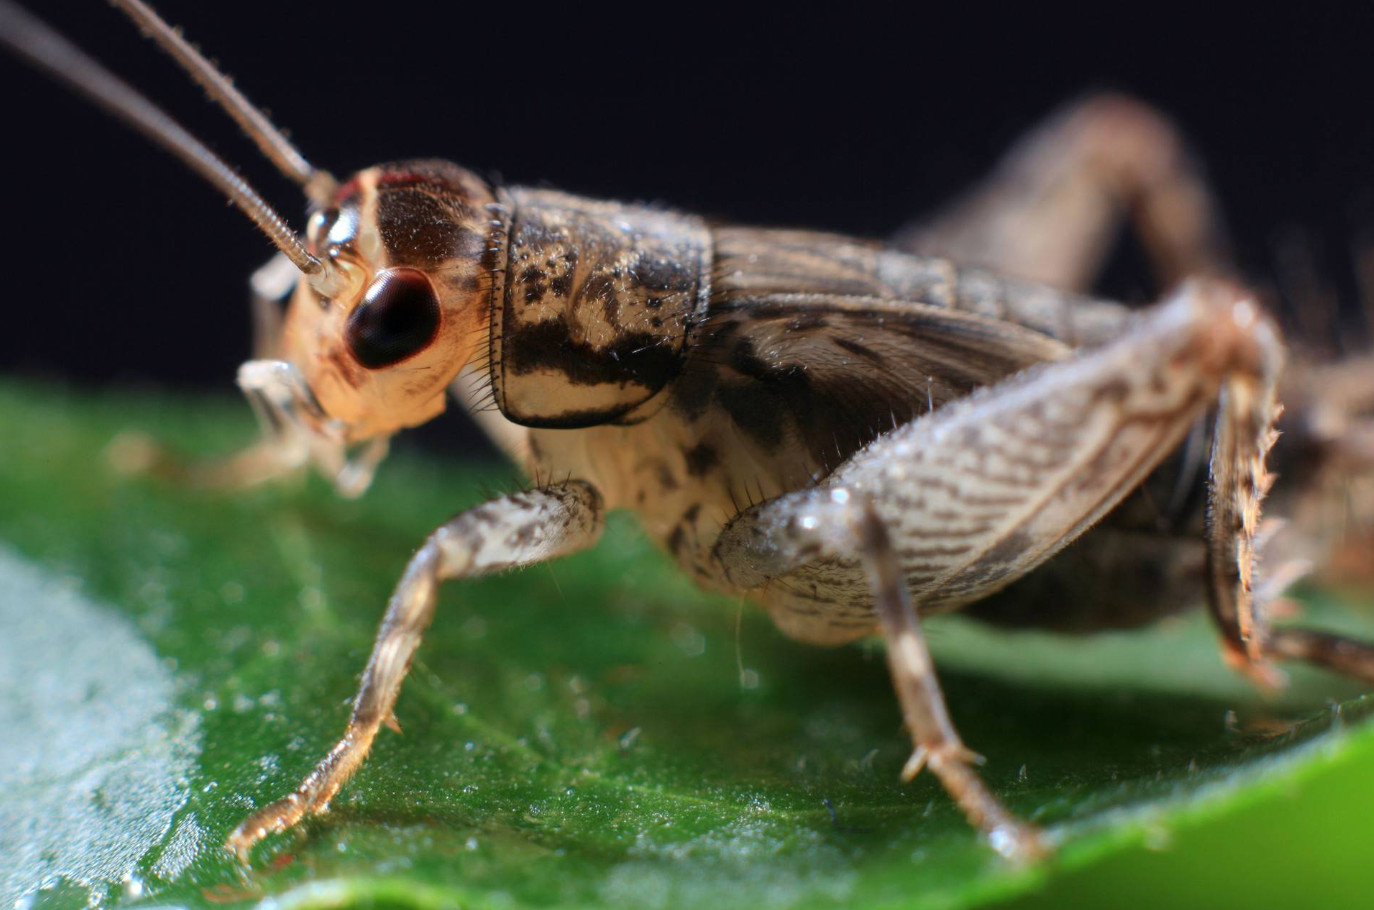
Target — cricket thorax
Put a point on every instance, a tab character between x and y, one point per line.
598	299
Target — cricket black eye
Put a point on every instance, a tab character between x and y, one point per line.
398	318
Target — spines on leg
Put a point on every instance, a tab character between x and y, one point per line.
1247	414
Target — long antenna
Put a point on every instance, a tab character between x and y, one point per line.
45	49
319	185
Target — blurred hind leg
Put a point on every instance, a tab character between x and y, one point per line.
1049	211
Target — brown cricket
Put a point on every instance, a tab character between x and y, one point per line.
850	434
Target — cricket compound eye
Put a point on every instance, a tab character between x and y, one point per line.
398	318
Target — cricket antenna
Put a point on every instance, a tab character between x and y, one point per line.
319	186
45	49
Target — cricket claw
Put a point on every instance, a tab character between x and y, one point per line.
275	818
1267	678
1019	843
924	755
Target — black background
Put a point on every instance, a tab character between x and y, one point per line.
120	266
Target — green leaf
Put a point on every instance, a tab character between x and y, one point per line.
597	733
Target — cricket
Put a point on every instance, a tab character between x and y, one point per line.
852	435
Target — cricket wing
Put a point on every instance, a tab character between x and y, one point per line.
834	371
758	263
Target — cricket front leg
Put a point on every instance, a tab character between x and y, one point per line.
292	435
513	530
295	433
1049	211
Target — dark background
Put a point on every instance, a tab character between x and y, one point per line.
121	267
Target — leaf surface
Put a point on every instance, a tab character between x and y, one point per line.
596	733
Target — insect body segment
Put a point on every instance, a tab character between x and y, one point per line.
414	245
851	434
598	303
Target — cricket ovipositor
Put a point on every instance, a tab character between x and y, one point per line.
843	431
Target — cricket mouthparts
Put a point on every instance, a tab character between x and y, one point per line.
300	431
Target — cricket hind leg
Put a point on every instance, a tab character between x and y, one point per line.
980	492
1049	210
517	529
1148	552
1239	481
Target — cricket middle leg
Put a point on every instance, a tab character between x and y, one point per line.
937	743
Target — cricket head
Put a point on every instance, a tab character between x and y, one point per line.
395	299
403	301
395	270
